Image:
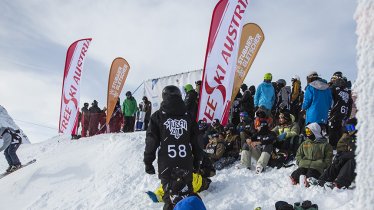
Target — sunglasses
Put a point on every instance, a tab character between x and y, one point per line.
308	132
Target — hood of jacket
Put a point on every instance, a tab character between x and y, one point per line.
173	105
319	84
316	129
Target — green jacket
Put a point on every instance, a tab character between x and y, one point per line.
315	154
291	130
129	107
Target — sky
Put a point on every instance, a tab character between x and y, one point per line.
157	38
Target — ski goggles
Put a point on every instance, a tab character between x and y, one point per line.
308	132
350	127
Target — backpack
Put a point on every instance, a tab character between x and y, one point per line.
16	138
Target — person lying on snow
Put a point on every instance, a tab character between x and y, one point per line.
313	156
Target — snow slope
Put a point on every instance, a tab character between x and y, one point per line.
107	172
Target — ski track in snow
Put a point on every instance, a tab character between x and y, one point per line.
107	172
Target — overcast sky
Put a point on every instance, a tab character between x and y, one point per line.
157	38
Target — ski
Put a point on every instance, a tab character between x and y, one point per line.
23	165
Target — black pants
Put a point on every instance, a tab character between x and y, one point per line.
10	154
146	122
335	132
129	123
342	172
168	184
308	172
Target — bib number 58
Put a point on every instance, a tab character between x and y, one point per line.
173	151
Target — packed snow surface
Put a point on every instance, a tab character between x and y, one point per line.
107	172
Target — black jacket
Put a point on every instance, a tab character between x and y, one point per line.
172	130
342	101
268	137
247	103
191	103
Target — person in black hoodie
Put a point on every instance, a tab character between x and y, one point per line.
173	132
341	108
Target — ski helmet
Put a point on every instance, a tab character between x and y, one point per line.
170	91
296	77
281	82
268	76
244	87
128	93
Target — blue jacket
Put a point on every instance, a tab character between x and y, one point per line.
317	102
265	95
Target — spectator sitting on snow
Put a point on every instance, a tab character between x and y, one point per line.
259	146
313	156
287	134
341	172
216	150
260	116
244	128
232	142
215	127
11	141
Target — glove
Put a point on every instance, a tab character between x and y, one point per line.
149	169
282	136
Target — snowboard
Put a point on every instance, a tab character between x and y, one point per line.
152	196
22	166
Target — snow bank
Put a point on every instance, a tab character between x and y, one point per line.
107	172
364	197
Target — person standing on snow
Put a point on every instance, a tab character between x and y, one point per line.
191	101
265	95
341	108
317	100
247	101
146	106
129	109
296	98
95	113
116	119
174	134
85	120
11	141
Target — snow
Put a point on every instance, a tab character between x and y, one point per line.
364	86
107	172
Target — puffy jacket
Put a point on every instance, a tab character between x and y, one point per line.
265	95
291	129
317	102
315	154
232	143
129	107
